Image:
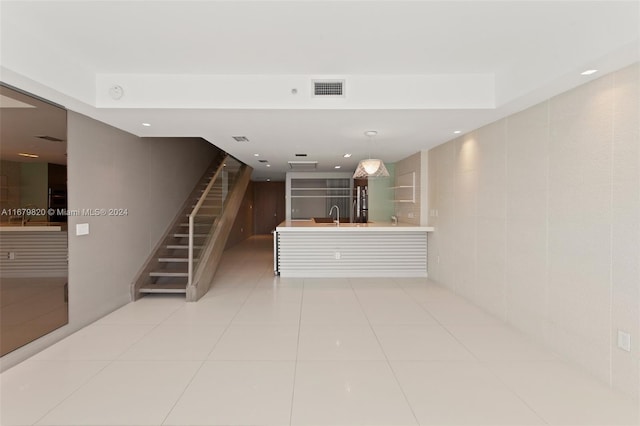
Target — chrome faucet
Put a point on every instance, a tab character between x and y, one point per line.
337	221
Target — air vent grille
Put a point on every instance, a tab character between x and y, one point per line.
326	88
241	138
301	155
303	166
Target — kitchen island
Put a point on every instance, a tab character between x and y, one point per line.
303	248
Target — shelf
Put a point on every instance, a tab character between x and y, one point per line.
406	183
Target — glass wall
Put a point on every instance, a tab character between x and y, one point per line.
33	230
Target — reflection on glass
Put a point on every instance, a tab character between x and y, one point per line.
313	198
33	229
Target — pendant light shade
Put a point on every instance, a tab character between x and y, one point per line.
371	167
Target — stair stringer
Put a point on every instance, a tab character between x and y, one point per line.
203	276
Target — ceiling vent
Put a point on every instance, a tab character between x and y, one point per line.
49	138
240	138
301	155
303	166
328	88
262	161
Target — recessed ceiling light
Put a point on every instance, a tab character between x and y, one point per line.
457	132
146	124
268	165
336	167
25	154
256	155
589	72
371	133
347	155
268	180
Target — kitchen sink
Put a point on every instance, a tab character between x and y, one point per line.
329	220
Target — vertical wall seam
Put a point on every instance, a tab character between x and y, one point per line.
547	273
611	189
505	290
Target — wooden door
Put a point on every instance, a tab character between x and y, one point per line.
269	205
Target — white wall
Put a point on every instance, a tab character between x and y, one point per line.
538	222
108	168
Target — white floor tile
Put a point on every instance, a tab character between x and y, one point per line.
176	342
126	393
392	306
31	389
276	295
227	295
331	306
460	393
148	310
499	342
274	282
420	343
257	343
206	311
565	395
407	282
260	349
96	342
323	283
373	283
430	292
348	393
279	306
338	342
459	312
237	393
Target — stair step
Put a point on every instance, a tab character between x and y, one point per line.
168	274
181	247
180	235
195	224
164	288
175	259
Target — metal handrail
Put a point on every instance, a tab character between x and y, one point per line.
193	214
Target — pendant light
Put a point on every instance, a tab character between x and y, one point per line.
371	167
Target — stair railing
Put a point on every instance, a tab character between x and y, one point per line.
222	180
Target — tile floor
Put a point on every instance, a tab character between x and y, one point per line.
262	350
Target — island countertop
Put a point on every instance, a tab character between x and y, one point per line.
311	226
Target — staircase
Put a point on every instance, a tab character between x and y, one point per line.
167	271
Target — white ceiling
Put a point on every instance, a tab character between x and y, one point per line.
217	69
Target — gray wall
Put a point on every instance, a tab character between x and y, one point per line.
108	168
538	222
